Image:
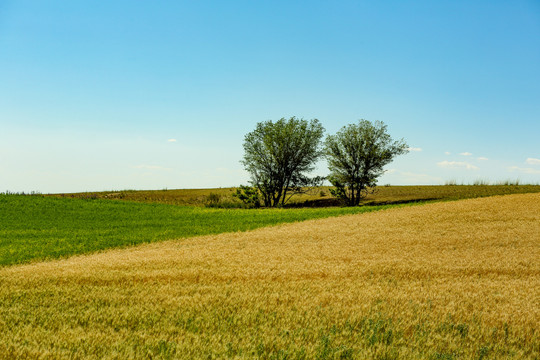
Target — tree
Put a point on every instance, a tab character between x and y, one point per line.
356	156
279	155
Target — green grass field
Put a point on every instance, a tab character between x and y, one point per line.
38	228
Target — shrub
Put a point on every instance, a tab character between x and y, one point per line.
249	195
212	200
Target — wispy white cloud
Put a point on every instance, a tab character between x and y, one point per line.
533	161
524	170
481	158
447	153
151	167
456	165
466	153
414	149
171	140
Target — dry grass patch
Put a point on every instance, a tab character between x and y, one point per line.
440	281
316	196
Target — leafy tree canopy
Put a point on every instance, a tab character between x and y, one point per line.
356	156
279	155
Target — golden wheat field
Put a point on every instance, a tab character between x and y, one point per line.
453	280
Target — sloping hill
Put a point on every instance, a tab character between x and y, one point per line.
445	280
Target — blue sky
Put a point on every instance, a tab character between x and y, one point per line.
151	95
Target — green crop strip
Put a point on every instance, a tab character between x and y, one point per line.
39	228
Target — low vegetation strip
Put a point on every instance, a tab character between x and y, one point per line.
37	228
317	197
451	280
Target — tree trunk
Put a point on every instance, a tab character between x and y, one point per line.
285	193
